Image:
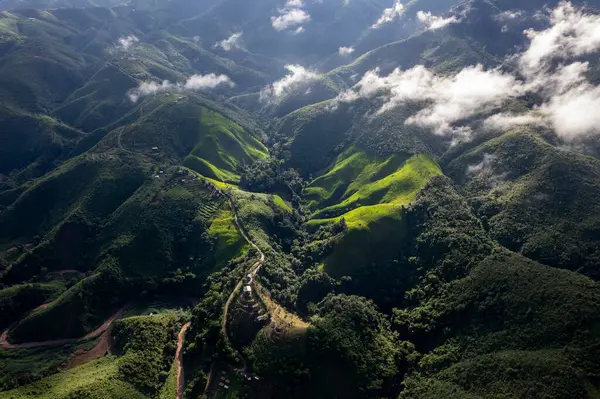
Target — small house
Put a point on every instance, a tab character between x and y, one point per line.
247	290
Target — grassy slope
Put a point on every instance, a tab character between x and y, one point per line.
369	193
169	389
146	346
222	145
32	142
23	366
94	184
97	379
230	243
79	310
161	228
257	213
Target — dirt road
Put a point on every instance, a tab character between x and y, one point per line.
179	360
253	270
5	344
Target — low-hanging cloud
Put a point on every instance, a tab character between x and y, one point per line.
574	113
434	22
125	43
573	32
290	16
230	43
507	121
344	51
194	82
485	164
569	102
389	14
486	170
448	98
297	77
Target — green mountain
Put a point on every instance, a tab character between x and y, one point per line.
328	199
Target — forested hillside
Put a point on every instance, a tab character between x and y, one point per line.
295	198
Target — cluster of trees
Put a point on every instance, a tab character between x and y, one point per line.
19	299
349	350
268	175
147	346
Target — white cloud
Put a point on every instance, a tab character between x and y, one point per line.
343	51
289	18
485	170
569	102
298	30
389	14
230	43
484	166
346	2
575	112
147	88
504	121
434	22
194	82
573	32
209	81
448	99
297	77
125	43
509	15
294	3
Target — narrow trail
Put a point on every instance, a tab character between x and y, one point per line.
253	270
66	271
179	360
6	345
121	144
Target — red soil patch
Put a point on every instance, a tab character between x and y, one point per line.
82	356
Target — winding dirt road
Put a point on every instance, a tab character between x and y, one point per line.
253	270
179	360
6	345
